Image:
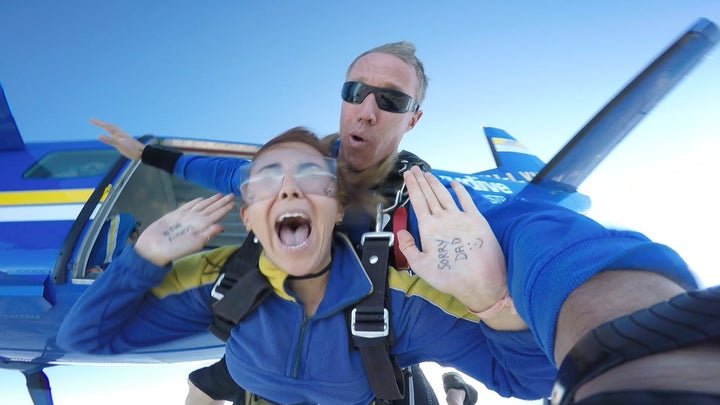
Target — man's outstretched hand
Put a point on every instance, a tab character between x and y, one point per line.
128	146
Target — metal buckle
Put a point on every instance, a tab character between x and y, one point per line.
370	334
378	235
214	292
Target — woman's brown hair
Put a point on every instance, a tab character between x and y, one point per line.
307	137
354	188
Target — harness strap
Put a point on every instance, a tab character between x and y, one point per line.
370	321
684	320
239	289
659	397
400	218
393	188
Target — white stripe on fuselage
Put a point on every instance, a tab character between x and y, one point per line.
50	212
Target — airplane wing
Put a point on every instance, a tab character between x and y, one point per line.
601	134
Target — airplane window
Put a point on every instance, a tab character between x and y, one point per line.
140	194
73	163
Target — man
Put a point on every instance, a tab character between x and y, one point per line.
566	275
117	231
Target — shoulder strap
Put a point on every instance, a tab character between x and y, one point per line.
370	319
399	222
239	289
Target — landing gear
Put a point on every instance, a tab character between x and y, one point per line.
38	386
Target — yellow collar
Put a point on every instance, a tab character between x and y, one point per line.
276	276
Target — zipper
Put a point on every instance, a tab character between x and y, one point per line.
298	352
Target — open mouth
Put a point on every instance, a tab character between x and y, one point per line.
293	229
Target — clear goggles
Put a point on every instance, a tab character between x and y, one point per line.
265	176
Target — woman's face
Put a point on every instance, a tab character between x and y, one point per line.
290	205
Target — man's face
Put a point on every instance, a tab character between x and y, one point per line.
369	134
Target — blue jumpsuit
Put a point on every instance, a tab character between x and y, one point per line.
549	251
283	356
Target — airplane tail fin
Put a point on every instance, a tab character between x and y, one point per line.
10	138
516	163
511	157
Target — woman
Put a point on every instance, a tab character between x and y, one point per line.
294	347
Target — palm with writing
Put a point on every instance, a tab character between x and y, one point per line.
184	230
460	254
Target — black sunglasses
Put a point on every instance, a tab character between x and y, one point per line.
387	99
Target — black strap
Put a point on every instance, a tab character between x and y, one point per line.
684	320
240	288
370	322
659	397
160	157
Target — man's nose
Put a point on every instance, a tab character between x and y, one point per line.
369	109
289	187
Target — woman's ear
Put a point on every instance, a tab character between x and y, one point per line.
340	217
245	219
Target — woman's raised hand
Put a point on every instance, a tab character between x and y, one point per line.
184	230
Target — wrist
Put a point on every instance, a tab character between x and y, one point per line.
159	157
495	309
150	255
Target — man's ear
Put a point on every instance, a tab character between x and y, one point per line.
414	120
245	219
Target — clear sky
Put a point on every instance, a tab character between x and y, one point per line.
249	70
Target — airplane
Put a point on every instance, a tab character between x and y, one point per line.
57	197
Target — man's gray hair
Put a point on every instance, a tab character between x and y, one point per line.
406	52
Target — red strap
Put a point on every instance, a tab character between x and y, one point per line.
399	223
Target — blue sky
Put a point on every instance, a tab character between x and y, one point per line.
249	70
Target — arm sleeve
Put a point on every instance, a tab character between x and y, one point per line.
118	313
550	251
509	363
221	174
